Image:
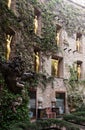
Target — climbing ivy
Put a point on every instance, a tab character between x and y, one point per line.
74	93
8	115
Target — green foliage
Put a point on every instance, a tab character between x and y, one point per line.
7	20
33	2
7	114
74	94
23	126
76	118
81	108
49	32
80	112
42	124
39	78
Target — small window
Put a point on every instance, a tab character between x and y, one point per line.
32	104
78	42
60	102
58	34
36	61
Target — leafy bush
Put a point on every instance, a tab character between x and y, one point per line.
7	115
23	126
42	124
79	113
74	118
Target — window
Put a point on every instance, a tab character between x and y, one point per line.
60	102
57	66
36	60
58	34
32	103
78	42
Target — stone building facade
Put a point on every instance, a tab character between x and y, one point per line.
70	52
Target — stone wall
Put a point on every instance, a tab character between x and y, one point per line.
69	57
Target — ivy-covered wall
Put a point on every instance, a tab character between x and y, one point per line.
52	12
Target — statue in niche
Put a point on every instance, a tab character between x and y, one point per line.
9	3
78	44
56	68
57	38
78	71
9	38
37	62
35	24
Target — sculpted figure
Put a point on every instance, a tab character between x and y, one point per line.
57	38
9	38
9	3
56	68
37	61
35	25
78	44
16	103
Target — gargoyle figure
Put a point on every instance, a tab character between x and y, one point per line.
14	75
12	72
16	103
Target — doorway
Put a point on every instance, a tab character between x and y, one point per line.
60	102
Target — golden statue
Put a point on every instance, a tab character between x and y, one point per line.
57	38
9	3
78	44
56	68
37	62
35	25
9	38
78	71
